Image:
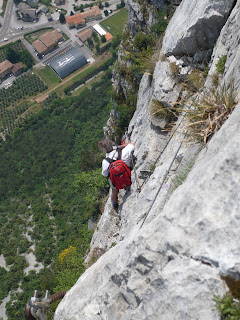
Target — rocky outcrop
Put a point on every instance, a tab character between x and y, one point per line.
228	44
195	26
143	14
167	250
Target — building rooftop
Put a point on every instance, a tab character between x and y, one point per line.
5	65
99	29
68	62
56	35
108	36
17	66
76	19
84	35
50	38
94	11
39	46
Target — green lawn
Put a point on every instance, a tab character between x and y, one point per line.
48	76
115	24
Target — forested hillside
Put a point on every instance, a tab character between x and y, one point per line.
50	185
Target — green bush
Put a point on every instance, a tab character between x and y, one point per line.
221	64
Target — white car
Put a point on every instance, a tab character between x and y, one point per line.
5	39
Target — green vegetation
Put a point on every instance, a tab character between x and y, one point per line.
115	23
229	306
24	56
50	186
221	64
11	109
50	180
17	46
62	18
4	5
159	110
48	76
162	23
120	5
182	173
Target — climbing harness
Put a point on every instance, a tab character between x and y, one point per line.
36	309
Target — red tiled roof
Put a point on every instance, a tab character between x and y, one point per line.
108	36
76	19
5	65
47	39
39	46
56	35
17	66
84	35
94	11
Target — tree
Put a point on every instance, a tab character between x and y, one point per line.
26	58
12	55
106	4
100	5
62	18
94	34
106	13
71	13
90	42
103	39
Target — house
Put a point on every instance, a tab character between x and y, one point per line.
47	41
49	16
40	47
75	21
108	36
42	9
84	35
5	68
18	68
80	19
93	14
26	12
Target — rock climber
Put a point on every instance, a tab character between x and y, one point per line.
111	151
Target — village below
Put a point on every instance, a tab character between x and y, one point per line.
51	51
43	42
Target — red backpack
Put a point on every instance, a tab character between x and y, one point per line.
119	172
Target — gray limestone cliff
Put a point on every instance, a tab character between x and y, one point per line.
165	257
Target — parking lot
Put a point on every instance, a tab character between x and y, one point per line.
7	82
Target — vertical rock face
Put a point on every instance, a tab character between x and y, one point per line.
142	14
166	255
228	44
195	26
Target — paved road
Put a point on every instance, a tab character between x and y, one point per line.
7	19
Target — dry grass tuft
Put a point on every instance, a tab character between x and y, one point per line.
208	114
195	80
175	69
158	110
